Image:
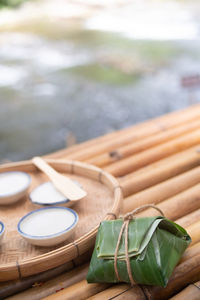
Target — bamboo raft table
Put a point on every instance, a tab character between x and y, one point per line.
158	162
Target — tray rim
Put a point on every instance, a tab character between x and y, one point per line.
54	258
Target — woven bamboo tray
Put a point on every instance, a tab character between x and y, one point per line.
20	259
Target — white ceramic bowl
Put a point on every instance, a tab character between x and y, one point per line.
48	226
13	186
2	230
47	194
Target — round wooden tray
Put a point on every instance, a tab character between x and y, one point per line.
20	259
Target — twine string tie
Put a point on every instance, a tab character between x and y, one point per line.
126	219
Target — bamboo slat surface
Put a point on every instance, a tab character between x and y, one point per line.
191	292
156	162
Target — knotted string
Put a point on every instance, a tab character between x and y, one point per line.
126	219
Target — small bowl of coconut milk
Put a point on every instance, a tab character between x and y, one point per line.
2	229
46	194
13	186
48	226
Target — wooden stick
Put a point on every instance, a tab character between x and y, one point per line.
144	144
191	292
163	190
137	161
137	132
160	171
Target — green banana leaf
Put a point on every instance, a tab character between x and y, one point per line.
155	245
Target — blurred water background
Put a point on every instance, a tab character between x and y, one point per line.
74	70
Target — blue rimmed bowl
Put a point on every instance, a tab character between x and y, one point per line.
48	226
2	230
13	186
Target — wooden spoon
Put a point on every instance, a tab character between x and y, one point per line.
63	184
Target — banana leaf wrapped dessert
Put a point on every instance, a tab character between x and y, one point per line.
137	251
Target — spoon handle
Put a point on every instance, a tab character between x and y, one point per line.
44	167
62	183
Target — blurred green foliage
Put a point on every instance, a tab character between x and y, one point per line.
10	3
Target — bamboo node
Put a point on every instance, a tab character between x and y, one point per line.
100	176
146	292
115	155
72	168
77	248
19	270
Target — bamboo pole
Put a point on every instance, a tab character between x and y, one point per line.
194	230
177	206
120	290
137	132
77	147
189	219
181	204
54	285
160	171
12	287
144	144
191	252
181	154
163	190
146	157
81	290
191	292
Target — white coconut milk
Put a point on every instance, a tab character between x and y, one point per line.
13	182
